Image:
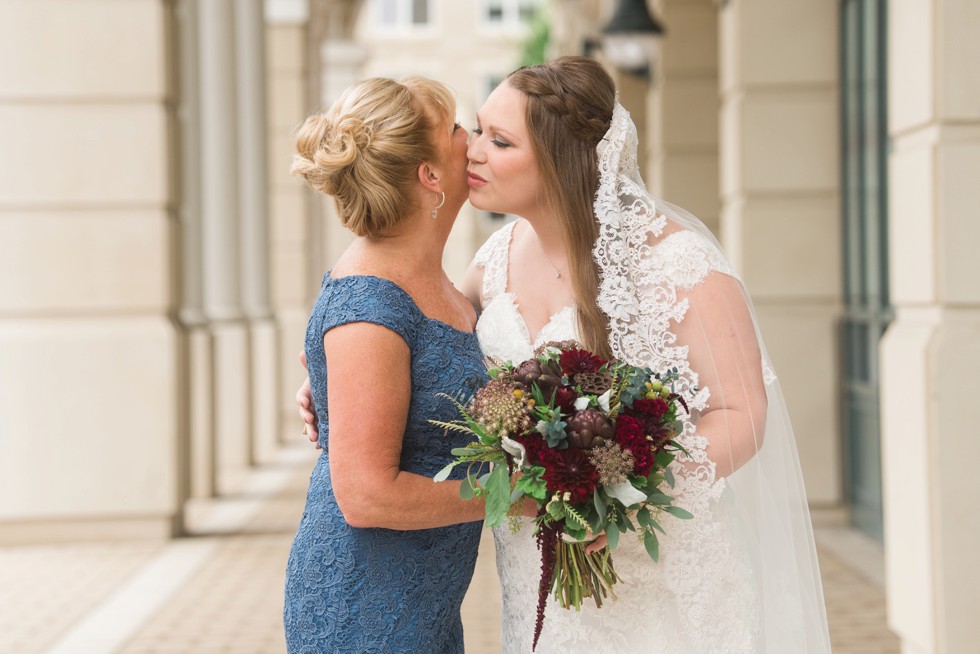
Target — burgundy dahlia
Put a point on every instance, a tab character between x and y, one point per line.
570	471
576	361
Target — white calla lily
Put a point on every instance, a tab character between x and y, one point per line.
625	493
604	401
581	404
514	449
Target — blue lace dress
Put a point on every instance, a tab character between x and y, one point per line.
352	590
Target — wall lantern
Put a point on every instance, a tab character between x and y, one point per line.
630	38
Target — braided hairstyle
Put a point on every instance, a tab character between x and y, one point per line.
570	103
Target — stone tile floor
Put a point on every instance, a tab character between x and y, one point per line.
221	589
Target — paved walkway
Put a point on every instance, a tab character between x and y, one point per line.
221	590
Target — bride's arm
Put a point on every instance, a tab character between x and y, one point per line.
369	388
720	333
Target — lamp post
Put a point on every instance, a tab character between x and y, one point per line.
630	37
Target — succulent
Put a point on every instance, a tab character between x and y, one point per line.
546	374
589	428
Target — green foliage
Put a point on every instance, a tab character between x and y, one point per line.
531	483
535	48
497	492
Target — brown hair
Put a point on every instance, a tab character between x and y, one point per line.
365	150
570	103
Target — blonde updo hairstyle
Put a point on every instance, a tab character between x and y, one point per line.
366	149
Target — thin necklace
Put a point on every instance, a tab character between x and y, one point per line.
552	263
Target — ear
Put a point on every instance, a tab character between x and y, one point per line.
430	177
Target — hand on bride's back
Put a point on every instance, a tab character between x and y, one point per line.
304	399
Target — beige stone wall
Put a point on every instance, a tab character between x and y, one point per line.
929	437
780	216
90	422
295	283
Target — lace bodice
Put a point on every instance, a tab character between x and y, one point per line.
501	328
698	598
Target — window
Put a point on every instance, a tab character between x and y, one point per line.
403	13
511	13
867	310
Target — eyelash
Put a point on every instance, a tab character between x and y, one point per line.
456	126
500	144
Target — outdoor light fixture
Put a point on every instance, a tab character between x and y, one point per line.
630	37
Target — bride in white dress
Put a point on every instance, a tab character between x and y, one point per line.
596	259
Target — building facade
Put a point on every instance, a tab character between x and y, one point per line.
159	261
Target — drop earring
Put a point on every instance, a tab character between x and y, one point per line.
435	212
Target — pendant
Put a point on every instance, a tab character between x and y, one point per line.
557	274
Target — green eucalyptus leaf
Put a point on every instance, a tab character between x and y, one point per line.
678	512
612	535
651	544
600	505
659	499
643	517
466	489
497	487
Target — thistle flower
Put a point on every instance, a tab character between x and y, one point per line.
500	409
613	462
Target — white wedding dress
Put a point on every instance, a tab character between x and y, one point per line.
703	596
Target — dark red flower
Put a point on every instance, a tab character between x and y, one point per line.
628	429
656	407
631	436
533	444
575	361
650	415
570	471
565	399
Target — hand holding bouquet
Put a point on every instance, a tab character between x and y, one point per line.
592	441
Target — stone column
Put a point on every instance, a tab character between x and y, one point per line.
221	237
196	393
931	352
683	120
89	353
294	286
253	204
780	216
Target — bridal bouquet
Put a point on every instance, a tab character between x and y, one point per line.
591	441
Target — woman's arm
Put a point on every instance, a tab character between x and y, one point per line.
724	351
369	390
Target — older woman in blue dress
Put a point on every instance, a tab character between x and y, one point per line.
383	555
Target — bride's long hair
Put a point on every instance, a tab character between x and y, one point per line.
570	104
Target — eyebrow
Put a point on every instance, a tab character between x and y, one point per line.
494	128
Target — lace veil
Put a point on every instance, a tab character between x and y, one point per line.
673	301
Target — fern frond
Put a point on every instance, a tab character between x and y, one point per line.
455	426
575	516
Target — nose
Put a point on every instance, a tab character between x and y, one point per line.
474	151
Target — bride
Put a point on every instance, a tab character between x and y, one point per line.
596	259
